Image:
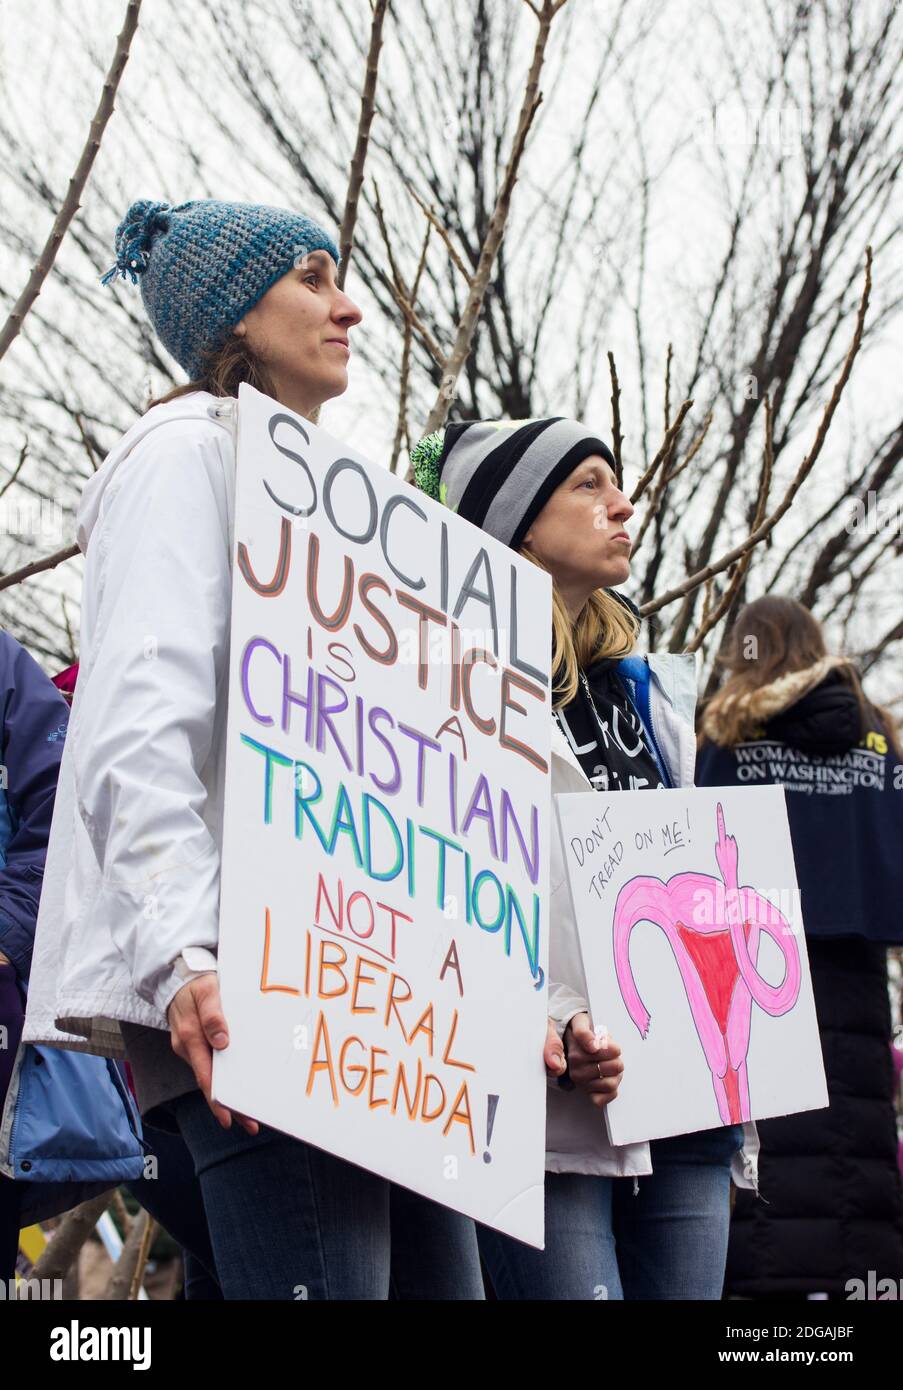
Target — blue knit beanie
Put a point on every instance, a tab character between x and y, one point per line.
203	264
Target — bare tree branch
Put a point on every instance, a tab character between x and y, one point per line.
23	454
130	1263
767	526
711	617
867	659
77	182
665	453
70	1235
401	427
368	106
38	566
430	215
617	439
665	477
496	230
402	294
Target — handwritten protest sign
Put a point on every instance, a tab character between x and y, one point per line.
692	941
383	934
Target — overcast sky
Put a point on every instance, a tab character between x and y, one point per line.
49	54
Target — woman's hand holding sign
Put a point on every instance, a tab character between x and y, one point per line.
197	1026
553	1052
594	1063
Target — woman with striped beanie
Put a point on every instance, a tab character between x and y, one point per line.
125	960
550	490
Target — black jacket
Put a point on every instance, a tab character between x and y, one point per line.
844	793
831	1204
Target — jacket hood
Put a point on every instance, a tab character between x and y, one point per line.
826	720
190	407
812	709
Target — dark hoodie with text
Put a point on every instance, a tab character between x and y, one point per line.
844	791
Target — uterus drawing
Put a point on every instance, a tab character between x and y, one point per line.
713	927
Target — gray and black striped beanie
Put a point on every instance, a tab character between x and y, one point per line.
499	474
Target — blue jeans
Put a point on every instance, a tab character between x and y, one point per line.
290	1221
174	1199
602	1242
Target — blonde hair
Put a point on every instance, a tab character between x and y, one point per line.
225	368
606	627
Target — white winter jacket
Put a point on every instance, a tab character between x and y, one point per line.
132	872
576	1136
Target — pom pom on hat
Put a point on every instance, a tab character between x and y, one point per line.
425	457
134	237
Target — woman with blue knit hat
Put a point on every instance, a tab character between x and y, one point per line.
125	957
550	490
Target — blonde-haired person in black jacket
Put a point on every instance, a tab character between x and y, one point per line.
632	1221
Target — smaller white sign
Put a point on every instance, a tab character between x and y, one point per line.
694	954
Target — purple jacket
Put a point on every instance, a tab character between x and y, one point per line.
33	719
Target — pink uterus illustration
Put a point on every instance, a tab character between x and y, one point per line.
716	960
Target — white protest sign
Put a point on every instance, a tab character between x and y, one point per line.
692	941
383	927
